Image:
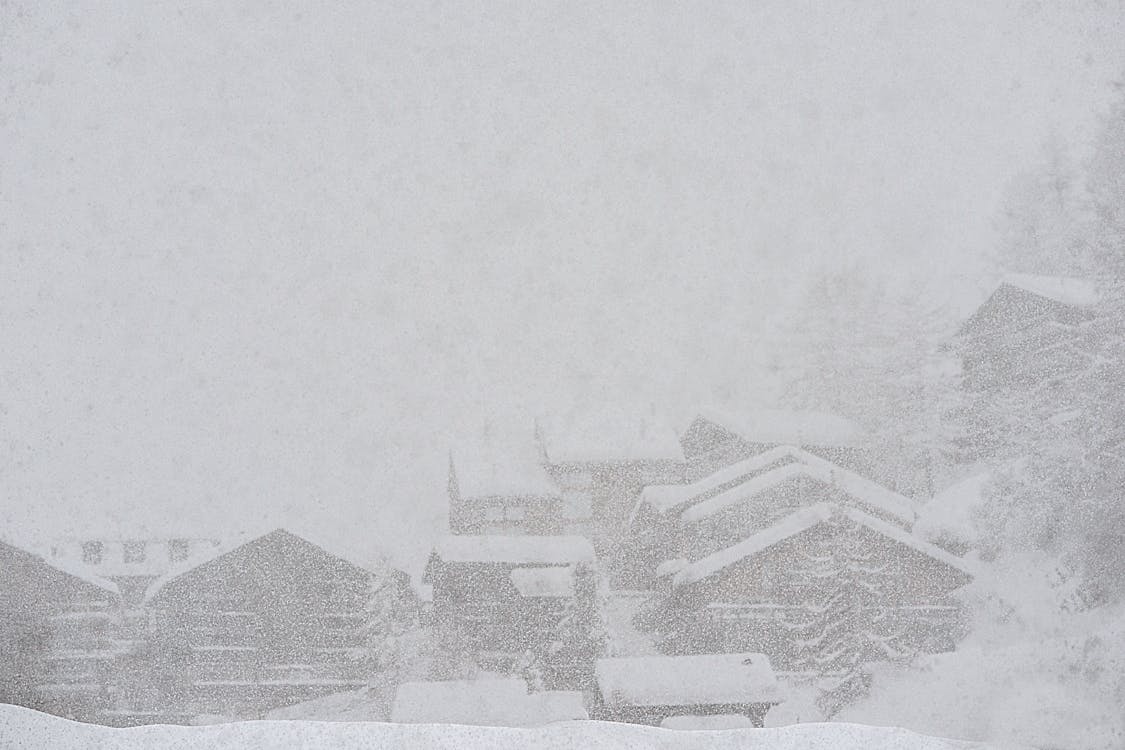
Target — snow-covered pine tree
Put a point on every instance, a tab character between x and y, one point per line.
847	622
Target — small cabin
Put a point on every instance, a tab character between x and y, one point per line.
655	690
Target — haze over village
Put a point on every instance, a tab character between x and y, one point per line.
733	368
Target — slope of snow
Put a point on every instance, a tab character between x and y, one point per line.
24	728
949	515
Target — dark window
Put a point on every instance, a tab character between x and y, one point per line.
92	553
177	550
134	552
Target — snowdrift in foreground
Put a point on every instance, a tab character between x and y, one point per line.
24	728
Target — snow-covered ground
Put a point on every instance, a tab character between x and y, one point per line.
24	728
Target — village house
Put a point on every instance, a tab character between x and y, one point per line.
497	597
655	689
56	634
828	571
265	622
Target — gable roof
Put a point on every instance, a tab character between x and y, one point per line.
694	680
66	567
803	520
521	549
701	498
232	546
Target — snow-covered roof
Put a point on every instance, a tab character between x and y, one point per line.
521	549
68	567
792	427
664	497
695	680
490	466
608	434
487	702
1066	290
804	464
802	520
556	581
692	722
868	492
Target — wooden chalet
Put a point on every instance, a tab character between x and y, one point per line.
497	597
654	689
56	635
268	622
826	568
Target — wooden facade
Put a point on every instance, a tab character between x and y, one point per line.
56	635
823	570
274	621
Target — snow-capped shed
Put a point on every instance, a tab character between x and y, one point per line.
652	689
764	592
271	620
56	633
499	486
485	702
601	459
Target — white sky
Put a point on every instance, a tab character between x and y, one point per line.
253	261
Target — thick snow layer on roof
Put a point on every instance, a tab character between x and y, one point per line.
663	497
950	514
804	519
556	581
546	550
488	702
696	680
23	727
1069	291
692	722
792	427
609	434
807	465
491	466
